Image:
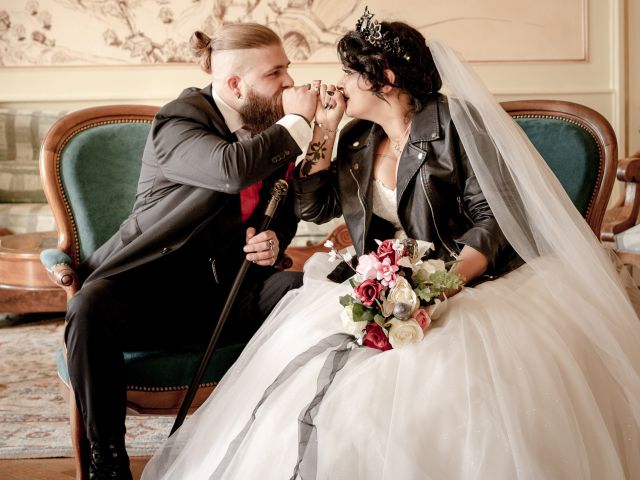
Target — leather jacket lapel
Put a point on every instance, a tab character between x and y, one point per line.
425	128
412	159
361	154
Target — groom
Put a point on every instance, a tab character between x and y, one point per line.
207	168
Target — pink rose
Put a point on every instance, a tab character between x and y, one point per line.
368	266
386	273
422	317
368	291
375	337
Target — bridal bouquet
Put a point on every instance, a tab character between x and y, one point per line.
395	293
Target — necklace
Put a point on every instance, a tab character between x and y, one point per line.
397	146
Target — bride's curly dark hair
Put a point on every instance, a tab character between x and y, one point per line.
416	75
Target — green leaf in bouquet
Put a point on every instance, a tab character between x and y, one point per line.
362	313
426	293
352	283
380	320
346	300
421	276
444	280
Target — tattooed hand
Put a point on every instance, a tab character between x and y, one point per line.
330	107
329	111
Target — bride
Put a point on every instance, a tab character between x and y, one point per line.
531	375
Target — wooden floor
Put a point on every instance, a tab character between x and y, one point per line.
53	469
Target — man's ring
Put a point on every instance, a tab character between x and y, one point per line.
271	244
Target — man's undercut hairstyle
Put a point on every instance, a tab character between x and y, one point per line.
236	36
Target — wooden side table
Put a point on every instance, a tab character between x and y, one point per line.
24	284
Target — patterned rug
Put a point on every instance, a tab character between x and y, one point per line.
34	418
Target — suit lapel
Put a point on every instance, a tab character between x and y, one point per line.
217	119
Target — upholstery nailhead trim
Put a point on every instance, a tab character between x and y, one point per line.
597	142
168	389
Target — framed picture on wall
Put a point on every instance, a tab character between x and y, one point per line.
143	32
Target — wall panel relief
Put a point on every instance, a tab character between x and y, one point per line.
130	32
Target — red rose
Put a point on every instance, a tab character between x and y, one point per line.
375	337
368	291
385	250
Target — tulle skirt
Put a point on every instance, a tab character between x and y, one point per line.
513	381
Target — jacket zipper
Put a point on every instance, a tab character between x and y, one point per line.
212	261
433	217
364	210
463	210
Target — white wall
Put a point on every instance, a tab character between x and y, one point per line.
598	83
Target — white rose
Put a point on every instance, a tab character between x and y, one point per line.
401	293
354	328
433	265
403	333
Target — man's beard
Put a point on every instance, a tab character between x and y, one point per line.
260	112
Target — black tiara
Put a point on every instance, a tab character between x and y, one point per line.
372	32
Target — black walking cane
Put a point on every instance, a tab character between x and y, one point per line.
278	192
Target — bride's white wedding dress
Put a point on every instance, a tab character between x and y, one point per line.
511	382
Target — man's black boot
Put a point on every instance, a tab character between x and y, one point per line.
109	462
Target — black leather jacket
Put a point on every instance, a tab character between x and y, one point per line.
439	199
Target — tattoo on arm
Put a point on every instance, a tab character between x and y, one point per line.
315	153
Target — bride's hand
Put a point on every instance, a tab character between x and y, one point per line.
330	107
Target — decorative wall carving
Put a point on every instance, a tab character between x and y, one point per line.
125	32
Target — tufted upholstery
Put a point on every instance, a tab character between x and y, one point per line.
99	171
580	147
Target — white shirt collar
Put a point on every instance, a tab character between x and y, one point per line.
232	118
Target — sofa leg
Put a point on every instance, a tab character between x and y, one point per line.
79	439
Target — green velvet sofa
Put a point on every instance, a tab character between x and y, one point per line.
90	164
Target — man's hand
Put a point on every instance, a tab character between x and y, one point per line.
301	101
263	248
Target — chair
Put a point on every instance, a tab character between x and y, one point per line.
90	164
619	229
339	236
580	147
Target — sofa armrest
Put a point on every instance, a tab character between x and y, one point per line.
624	214
339	236
61	270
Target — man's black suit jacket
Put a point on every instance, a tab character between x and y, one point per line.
193	169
